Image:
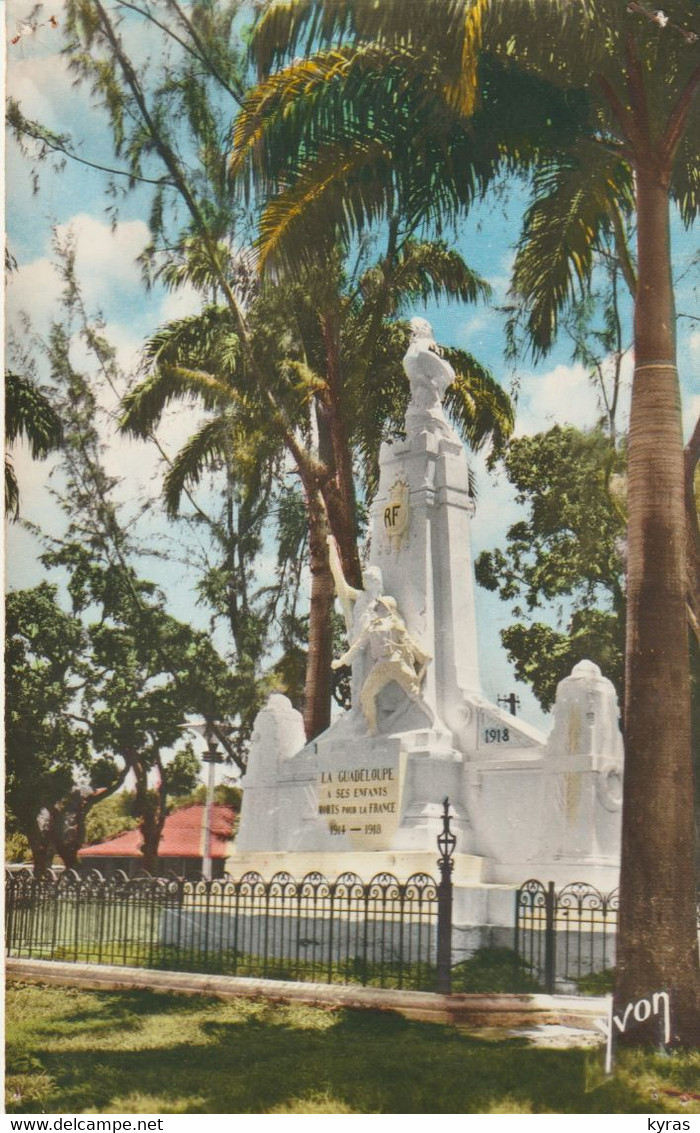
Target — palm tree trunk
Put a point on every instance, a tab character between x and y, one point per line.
657	947
339	493
317	690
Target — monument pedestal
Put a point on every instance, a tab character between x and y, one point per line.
468	869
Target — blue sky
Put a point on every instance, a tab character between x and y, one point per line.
75	200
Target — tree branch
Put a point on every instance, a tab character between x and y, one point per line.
238	94
624	118
636	88
32	130
678	117
622	248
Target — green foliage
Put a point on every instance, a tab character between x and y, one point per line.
543	656
17	848
494	970
183	772
331	347
414	113
567	550
109	817
597	983
269	366
573	199
101	691
46	745
119	812
224	794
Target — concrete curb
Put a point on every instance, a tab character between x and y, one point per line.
475	1010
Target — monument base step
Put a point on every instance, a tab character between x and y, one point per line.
603	874
468	869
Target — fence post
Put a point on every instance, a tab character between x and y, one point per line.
446	844
9	911
550	940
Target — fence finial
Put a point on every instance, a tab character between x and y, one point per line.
446	840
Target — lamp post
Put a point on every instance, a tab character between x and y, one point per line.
212	756
446	844
512	701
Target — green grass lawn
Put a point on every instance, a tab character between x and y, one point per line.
75	1051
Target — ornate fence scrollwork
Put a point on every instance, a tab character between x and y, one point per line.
564	937
382	932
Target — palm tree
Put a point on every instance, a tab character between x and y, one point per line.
641	73
395	104
332	348
28	414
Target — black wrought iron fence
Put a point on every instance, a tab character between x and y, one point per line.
383	932
565	937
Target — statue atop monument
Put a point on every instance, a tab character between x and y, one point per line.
381	648
429	375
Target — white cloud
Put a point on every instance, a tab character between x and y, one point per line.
105	256
34	289
178	304
566	395
42	85
105	264
562	395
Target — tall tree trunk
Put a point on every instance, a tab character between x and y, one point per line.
339	493
317	691
150	807
68	826
41	845
657	946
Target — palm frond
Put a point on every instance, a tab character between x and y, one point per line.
29	414
283	24
430	270
464	93
11	490
292	222
480	407
554	259
685	186
144	406
345	91
206	450
202	341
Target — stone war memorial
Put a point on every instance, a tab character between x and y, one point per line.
366	795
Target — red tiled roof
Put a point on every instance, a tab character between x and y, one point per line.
182	837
